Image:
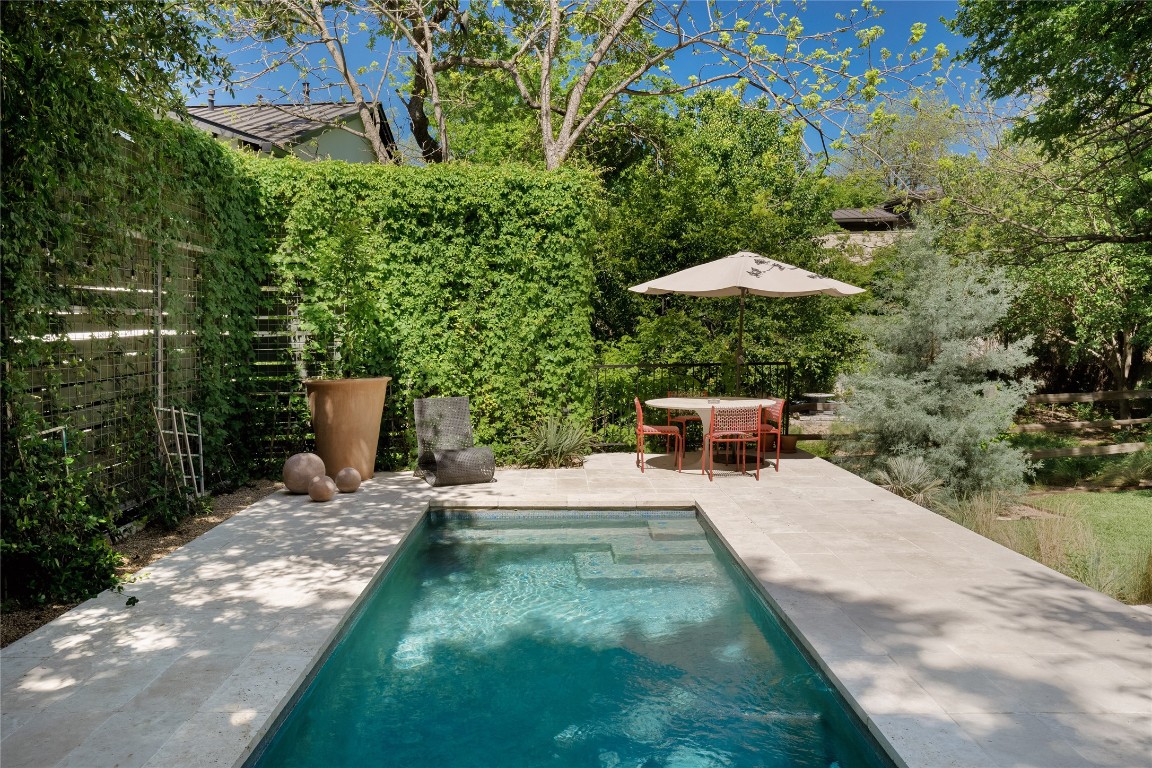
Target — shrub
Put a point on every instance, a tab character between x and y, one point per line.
556	442
910	477
1130	470
940	385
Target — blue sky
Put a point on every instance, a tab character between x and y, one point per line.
897	19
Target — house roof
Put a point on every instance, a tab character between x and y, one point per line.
890	214
861	215
269	124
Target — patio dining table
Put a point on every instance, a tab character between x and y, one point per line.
704	405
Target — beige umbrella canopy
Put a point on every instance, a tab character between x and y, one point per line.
741	274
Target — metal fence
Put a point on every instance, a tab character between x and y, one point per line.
613	411
125	343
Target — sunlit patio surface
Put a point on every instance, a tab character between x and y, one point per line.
954	650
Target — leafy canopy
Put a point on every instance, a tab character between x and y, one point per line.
1090	61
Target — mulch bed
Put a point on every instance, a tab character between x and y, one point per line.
140	550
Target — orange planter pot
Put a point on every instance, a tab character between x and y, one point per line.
346	416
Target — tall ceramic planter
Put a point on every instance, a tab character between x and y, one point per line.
346	416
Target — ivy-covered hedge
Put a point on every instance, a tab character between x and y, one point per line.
99	195
453	280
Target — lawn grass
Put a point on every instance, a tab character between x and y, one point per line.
1121	521
815	447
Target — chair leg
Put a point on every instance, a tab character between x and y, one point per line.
778	441
640	452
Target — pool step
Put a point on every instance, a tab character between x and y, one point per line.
557	537
671	530
599	566
648	551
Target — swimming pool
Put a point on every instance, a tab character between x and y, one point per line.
607	639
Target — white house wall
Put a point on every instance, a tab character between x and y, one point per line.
336	144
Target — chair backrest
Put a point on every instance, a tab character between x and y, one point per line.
442	423
639	415
736	419
774	414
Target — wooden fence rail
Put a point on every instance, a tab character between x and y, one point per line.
1092	426
1089	450
1073	426
1092	397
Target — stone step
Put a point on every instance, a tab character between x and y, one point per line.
649	551
664	530
535	537
599	566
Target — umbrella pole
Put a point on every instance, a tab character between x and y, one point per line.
740	342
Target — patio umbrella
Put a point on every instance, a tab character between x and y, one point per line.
742	274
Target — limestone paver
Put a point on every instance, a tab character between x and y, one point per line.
953	650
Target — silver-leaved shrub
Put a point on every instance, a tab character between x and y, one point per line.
941	383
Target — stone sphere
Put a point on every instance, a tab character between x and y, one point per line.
322	488
300	469
348	479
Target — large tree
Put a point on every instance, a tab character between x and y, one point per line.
1087	66
572	62
728	176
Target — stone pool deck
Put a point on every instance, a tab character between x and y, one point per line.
954	650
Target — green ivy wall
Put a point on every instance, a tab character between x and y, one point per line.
453	280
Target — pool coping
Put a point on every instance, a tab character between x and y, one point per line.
952	650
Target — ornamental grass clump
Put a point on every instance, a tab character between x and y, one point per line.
1130	470
556	442
910	477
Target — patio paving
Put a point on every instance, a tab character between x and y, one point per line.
954	650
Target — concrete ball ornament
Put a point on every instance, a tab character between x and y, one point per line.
348	479
322	488
300	469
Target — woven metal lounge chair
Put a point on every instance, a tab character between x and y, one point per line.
444	443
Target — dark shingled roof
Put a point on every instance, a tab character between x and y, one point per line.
844	215
266	124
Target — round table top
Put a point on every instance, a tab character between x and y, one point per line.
698	403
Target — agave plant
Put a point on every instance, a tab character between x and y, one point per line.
556	442
910	477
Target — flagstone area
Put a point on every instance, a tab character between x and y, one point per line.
954	650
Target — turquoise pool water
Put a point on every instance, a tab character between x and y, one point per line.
579	641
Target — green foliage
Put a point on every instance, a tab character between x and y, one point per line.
55	523
731	177
1086	300
1088	59
556	442
940	385
452	279
1083	66
910	477
80	199
1129	470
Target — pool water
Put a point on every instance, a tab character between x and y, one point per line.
579	641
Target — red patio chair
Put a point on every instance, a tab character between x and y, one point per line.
733	425
644	430
680	419
772	422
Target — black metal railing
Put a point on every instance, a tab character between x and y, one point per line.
615	386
